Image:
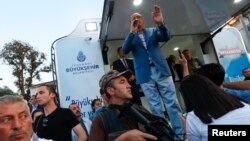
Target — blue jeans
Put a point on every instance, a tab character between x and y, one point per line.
162	87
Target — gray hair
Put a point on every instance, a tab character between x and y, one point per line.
11	99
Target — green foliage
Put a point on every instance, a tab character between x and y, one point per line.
6	91
27	63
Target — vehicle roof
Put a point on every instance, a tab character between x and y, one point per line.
183	17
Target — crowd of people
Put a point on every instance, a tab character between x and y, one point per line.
208	100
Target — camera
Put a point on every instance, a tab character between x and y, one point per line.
179	51
88	39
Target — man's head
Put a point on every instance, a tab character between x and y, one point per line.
120	53
35	114
214	72
172	58
187	54
246	73
15	119
116	86
32	100
45	95
76	110
140	20
96	103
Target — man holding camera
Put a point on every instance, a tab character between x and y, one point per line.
151	69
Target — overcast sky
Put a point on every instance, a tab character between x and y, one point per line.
39	23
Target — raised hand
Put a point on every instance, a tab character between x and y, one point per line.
157	15
184	63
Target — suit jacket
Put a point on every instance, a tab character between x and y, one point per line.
118	65
179	70
171	68
141	55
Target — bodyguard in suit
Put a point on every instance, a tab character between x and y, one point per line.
151	69
34	104
123	64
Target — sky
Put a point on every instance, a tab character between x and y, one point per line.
39	23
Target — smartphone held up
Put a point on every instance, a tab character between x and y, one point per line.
179	51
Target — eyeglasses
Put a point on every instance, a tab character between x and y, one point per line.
45	122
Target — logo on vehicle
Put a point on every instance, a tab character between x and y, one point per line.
81	57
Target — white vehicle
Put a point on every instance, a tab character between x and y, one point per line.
78	65
194	24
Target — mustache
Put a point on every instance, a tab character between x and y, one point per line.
78	112
17	133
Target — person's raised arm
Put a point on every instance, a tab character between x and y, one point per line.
163	33
240	85
184	64
157	15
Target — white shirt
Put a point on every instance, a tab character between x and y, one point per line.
143	40
35	138
198	131
87	123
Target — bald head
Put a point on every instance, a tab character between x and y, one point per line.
140	20
135	15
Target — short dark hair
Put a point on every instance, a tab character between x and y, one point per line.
207	100
72	103
51	89
102	91
93	103
214	72
243	70
185	50
118	49
37	110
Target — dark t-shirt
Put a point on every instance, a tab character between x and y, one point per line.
57	125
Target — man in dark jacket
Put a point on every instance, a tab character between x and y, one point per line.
123	64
